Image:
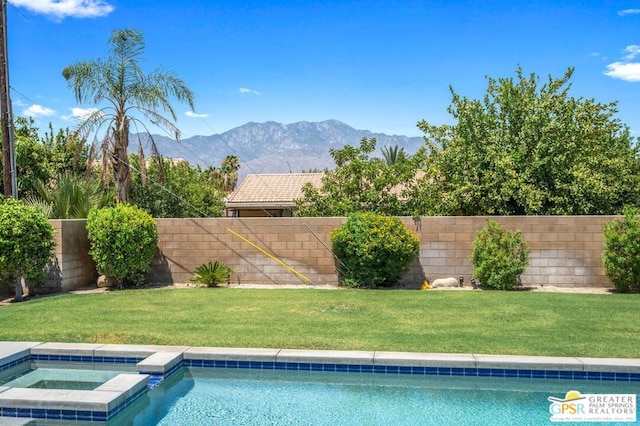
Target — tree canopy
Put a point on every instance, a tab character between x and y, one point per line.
527	148
124	93
361	183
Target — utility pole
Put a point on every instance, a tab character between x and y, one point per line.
8	152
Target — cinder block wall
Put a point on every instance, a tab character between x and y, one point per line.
183	244
72	267
567	250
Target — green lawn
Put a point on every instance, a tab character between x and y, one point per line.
489	322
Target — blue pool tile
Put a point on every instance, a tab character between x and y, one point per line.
244	364
280	366
565	375
342	368
472	372
457	371
484	372
366	368
579	375
219	364
634	377
551	374
24	412
269	365
329	367
255	364
418	370
404	370
623	377
525	374
292	366
380	369
431	371
608	376
316	367
594	375
497	372
444	371
99	416
304	366
38	413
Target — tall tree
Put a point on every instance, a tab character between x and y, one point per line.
358	184
526	148
229	167
119	82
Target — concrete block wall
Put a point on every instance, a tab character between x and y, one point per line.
72	267
566	250
183	244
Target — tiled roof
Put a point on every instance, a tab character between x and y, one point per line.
272	189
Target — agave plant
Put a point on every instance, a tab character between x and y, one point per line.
212	274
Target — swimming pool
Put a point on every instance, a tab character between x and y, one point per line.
192	385
199	396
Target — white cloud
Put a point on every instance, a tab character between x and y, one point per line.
81	113
244	91
37	111
195	114
628	12
632	50
628	71
60	9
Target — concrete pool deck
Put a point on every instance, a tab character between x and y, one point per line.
154	362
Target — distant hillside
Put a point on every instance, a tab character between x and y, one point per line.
277	148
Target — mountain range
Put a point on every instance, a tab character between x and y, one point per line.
277	148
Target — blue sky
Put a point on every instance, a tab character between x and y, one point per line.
375	65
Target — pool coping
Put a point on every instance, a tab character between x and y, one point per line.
155	362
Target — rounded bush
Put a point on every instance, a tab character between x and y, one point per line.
123	242
26	241
373	250
499	256
621	252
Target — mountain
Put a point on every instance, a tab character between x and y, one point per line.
276	148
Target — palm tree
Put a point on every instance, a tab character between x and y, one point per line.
69	196
229	169
120	83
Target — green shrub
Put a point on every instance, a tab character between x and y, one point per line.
499	256
621	252
26	242
373	250
123	242
212	274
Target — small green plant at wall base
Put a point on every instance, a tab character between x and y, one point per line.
373	250
123	242
212	274
499	256
621	252
26	243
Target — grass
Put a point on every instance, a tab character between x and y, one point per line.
488	322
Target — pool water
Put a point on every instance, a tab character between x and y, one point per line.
85	376
199	396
